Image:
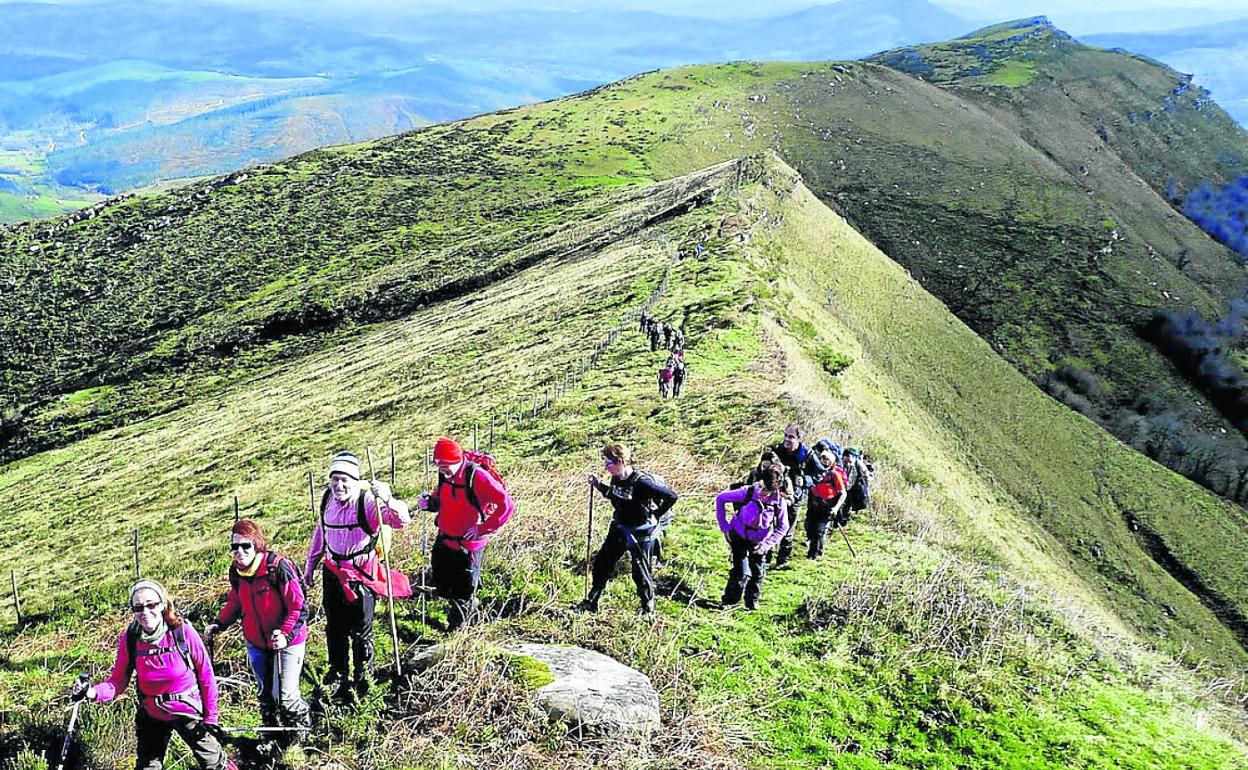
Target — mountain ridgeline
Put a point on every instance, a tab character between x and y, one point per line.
907	252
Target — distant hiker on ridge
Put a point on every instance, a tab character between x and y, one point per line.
471	502
755	528
177	691
803	468
345	537
266	594
676	363
641	508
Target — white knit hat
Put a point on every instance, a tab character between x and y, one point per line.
346	463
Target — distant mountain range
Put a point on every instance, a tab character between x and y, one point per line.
118	95
1217	52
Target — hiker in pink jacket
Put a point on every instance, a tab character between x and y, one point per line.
345	542
757	526
177	691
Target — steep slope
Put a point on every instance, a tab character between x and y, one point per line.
226	280
967	631
978	188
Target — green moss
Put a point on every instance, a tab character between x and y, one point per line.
529	672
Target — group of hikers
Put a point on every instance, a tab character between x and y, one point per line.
665	336
176	688
173	673
757	515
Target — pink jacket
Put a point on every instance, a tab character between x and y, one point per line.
345	541
165	673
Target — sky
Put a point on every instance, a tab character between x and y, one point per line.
1076	16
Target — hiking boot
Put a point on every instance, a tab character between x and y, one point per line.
363	686
647	608
751	604
586	605
344	695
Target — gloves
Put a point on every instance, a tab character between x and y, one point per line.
278	640
81	689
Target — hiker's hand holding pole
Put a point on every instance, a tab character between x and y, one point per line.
279	640
381	491
81	690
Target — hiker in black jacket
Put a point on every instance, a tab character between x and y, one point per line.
642	507
803	469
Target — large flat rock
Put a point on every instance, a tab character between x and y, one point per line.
592	691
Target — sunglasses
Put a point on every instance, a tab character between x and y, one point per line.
153	606
244	546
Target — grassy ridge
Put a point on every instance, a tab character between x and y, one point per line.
937	647
1005	202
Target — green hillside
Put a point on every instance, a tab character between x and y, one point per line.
969	631
1029	591
1050	241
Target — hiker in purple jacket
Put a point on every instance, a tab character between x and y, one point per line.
177	691
755	528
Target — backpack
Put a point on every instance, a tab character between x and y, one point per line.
860	493
755	518
378	540
473	462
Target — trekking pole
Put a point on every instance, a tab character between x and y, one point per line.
589	537
69	731
17	603
850	545
385	558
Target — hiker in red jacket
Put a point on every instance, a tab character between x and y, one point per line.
177	691
470	502
265	593
345	537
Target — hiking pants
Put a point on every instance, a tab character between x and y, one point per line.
677	381
817	521
609	555
348	622
663	386
746	574
153	741
785	549
456	575
281	703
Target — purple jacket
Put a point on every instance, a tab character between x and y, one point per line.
166	673
779	525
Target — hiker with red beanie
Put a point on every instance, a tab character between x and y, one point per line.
470	502
265	593
173	676
345	542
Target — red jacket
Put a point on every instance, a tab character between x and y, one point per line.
267	602
458	520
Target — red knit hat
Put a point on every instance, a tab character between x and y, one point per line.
447	451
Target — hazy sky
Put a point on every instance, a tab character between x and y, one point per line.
1076	16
